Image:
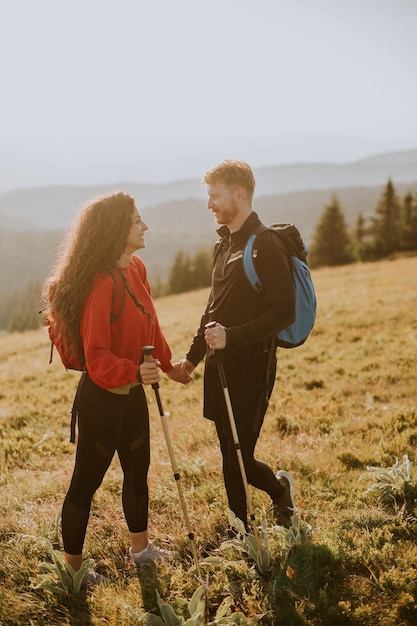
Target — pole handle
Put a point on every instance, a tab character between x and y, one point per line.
218	354
147	353
147	356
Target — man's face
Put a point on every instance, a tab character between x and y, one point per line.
222	203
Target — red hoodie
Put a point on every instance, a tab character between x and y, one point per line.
113	350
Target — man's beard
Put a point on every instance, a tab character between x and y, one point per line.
228	214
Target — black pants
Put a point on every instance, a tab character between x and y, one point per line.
108	423
249	398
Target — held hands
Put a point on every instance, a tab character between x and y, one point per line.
215	336
180	373
150	372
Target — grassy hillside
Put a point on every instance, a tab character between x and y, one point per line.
344	401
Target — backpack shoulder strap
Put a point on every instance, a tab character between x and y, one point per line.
248	264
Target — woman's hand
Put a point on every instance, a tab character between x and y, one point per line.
149	372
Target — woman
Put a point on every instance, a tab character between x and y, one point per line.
98	300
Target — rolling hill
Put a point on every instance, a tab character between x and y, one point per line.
33	219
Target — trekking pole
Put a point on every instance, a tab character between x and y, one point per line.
147	356
219	360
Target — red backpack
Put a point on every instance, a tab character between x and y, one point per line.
69	360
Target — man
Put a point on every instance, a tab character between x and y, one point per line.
245	331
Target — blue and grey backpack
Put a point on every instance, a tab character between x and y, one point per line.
305	297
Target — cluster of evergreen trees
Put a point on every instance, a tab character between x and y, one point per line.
391	230
187	273
20	310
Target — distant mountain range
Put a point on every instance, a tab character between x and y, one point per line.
177	214
83	160
52	208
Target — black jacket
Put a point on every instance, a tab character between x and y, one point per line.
252	320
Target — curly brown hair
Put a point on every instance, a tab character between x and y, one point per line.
92	246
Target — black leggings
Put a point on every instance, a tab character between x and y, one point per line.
108	423
247	400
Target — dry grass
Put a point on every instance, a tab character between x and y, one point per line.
345	400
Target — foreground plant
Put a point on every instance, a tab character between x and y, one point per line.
392	483
59	576
193	612
297	534
258	551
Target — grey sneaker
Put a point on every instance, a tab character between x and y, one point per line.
284	507
93	579
151	554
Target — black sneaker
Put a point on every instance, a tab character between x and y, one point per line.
284	508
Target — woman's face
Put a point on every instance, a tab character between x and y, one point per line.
136	236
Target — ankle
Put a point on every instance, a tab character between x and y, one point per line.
139	552
74	560
139	541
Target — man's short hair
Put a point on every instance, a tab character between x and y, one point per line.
233	174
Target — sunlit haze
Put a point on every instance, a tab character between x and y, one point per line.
97	91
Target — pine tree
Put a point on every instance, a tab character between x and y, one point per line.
179	274
201	269
409	218
188	273
25	314
332	243
386	228
360	234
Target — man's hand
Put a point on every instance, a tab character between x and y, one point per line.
179	374
215	337
186	368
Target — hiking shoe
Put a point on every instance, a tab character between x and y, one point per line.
284	507
93	579
151	554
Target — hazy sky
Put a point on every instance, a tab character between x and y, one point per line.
161	77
